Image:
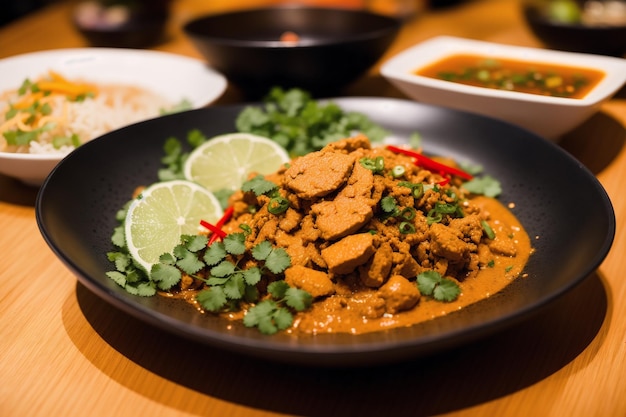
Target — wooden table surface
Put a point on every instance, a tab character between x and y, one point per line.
66	353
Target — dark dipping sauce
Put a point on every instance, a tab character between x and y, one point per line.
515	75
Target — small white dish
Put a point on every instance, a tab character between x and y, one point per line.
547	116
171	76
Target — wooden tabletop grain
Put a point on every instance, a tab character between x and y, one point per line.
65	352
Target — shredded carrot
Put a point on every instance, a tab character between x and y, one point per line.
57	77
28	100
70	89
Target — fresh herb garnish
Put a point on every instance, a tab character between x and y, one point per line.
273	314
432	284
259	186
229	284
488	230
485	185
301	124
175	156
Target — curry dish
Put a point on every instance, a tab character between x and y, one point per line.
362	223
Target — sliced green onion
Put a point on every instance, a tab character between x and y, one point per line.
445	208
488	230
406	228
278	205
433	217
376	165
417	190
408	213
398	171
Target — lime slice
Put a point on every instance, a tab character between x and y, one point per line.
162	213
224	162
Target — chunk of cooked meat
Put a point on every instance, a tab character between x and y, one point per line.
316	283
399	294
340	217
347	254
375	273
318	174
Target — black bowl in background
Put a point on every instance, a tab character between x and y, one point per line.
575	37
140	26
139	34
335	46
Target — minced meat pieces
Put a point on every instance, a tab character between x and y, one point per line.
447	242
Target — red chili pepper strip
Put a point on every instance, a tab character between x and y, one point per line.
443	182
217	229
430	164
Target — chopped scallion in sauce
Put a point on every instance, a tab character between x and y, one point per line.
515	75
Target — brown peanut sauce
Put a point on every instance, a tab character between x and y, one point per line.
349	312
345	313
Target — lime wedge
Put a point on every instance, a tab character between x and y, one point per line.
162	213
226	161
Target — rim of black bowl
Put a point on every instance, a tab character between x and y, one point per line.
385	24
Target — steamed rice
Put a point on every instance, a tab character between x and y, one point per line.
114	106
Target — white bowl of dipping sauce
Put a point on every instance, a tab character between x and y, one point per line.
549	114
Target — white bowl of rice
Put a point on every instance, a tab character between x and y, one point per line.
53	101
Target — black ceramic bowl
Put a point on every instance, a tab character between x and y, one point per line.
141	26
335	46
561	204
575	37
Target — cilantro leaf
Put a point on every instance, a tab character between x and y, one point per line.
447	290
278	260
262	250
486	185
165	276
234	288
168	259
258	185
234	243
121	260
252	275
282	318
194	243
215	254
298	299
427	281
118	277
189	263
143	289
263	309
431	283
223	269
175	156
212	299
388	204
268	317
278	289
